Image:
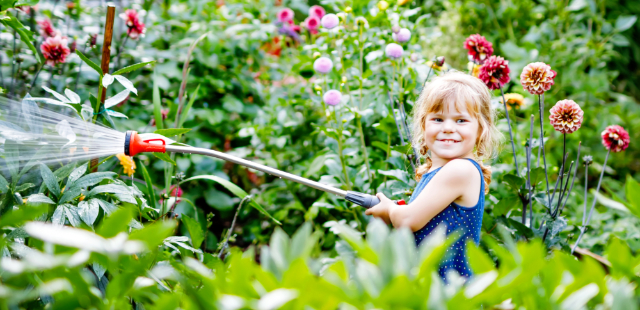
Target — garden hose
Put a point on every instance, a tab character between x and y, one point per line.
133	145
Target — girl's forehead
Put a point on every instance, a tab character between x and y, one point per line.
452	107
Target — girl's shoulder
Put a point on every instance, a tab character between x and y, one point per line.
460	172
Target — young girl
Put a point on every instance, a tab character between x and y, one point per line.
453	120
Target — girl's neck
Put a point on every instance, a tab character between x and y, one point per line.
437	162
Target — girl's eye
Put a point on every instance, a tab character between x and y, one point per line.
437	119
461	120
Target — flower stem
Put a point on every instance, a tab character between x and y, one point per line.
544	156
513	146
124	42
359	116
530	191
573	180
342	161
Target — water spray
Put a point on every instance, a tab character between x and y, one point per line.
52	137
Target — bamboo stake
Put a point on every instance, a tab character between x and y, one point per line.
104	65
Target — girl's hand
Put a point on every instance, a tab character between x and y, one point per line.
382	209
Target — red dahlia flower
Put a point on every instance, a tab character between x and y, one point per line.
135	26
46	29
479	48
55	50
615	138
495	72
537	78
566	116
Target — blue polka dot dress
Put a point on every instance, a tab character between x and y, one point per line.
466	219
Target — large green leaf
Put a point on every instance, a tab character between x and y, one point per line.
50	180
25	34
4	185
195	231
632	191
151	194
109	188
89	62
77	173
153	234
234	189
185	110
164	157
116	223
133	67
92	179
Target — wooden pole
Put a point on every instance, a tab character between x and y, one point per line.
104	65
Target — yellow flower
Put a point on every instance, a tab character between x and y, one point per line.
403	2
348	10
476	69
513	100
127	163
383	5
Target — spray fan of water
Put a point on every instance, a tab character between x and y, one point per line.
29	132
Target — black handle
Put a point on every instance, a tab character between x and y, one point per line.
361	199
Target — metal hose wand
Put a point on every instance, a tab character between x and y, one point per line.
134	145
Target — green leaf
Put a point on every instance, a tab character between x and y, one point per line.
23	187
505	205
514	181
77	173
157	105
153	234
117	222
39	198
64	171
404	149
380	145
316	165
170	132
164	157
90	63
185	110
92	179
23	214
50	180
109	188
481	262
632	191
133	67
4	185
151	194
234	189
195	231
25	35
70	194
625	22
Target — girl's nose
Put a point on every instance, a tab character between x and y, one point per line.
448	126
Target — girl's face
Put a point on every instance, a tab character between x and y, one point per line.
450	134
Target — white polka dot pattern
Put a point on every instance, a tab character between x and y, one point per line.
468	220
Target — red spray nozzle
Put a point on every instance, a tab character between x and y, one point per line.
133	144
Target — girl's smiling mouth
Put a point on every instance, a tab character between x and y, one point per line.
448	141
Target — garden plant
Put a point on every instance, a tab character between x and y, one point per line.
325	91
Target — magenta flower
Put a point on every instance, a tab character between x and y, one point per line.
323	65
312	23
479	48
495	72
537	78
395	29
46	29
55	50
285	15
332	97
403	35
615	138
330	21
393	50
317	11
135	27
566	116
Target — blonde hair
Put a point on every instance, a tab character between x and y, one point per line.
460	89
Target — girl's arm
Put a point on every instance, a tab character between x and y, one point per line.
452	181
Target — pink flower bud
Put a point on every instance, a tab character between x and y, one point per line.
323	65
402	36
330	21
393	50
332	97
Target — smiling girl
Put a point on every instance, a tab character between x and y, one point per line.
453	126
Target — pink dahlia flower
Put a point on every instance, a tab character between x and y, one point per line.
285	15
615	138
323	65
566	116
332	97
317	11
55	50
330	21
479	48
537	78
403	35
495	72
135	26
46	29
312	23
393	50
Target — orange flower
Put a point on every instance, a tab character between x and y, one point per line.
513	100
537	78
127	163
